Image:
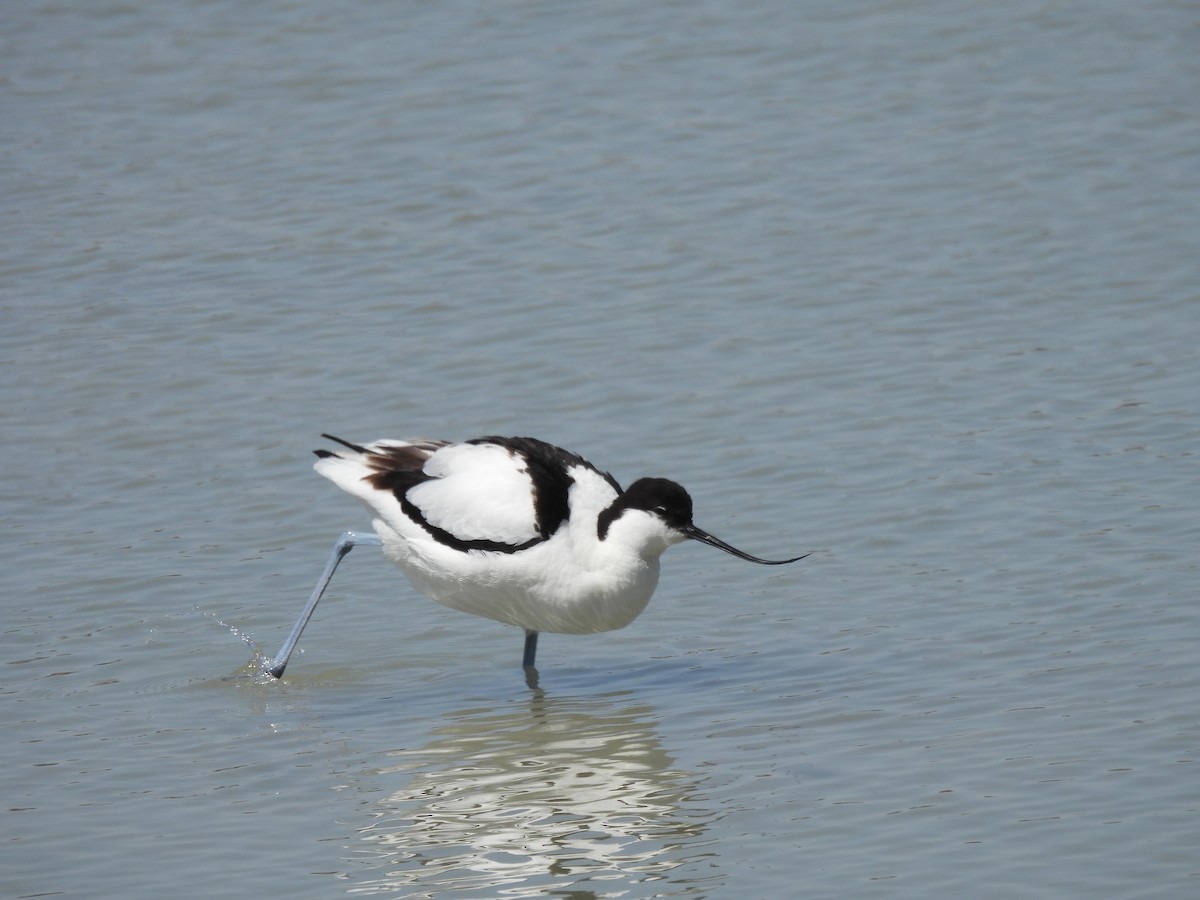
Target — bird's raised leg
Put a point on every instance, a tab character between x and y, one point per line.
347	542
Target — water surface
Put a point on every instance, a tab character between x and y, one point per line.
910	286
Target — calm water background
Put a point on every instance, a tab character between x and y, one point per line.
911	284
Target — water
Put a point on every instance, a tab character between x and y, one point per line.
909	285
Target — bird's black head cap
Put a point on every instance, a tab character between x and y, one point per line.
659	496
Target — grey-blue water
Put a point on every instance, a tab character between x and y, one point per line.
912	285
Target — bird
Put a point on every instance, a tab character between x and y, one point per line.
512	529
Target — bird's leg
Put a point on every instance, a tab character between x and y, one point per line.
530	649
347	542
531	674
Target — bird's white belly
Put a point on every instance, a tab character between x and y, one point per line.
540	589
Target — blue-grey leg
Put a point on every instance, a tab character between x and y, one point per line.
347	542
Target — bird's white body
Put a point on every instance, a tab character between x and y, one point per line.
570	582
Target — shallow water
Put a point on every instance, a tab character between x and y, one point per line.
910	287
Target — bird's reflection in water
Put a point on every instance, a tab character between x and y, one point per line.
569	796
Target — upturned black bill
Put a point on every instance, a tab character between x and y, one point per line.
699	534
